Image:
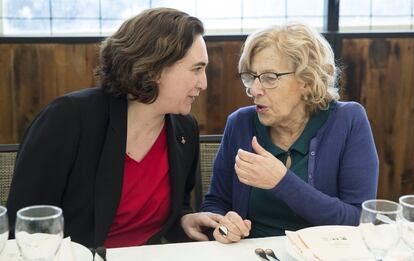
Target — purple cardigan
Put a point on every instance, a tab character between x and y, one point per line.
342	169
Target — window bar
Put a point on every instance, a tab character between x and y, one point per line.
412	14
370	15
1	19
331	16
100	17
50	17
241	17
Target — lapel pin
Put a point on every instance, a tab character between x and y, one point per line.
183	141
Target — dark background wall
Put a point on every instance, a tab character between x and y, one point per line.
378	72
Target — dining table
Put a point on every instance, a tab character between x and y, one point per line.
243	250
200	251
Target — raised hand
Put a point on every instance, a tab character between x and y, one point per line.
260	169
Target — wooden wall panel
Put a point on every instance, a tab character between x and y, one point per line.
379	74
7	128
225	92
33	75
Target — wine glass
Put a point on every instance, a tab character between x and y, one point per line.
407	225
4	228
379	225
39	231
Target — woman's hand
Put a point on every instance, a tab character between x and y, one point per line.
261	170
194	223
234	226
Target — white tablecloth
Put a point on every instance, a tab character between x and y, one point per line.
200	251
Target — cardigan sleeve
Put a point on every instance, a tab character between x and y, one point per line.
357	177
45	157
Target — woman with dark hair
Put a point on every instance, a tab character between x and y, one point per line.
120	159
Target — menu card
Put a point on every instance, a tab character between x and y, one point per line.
329	243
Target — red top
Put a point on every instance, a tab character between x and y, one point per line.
145	199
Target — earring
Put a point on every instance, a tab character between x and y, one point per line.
248	92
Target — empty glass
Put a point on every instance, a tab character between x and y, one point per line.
379	225
39	231
4	228
407	224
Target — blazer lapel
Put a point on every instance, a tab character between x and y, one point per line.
176	143
109	178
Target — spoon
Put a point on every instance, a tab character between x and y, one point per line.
270	253
260	252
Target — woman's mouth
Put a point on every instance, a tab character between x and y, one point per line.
192	98
260	108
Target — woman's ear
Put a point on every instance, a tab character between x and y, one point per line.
303	86
305	90
157	78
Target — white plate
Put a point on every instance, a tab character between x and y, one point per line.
11	252
81	253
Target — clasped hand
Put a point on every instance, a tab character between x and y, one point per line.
193	225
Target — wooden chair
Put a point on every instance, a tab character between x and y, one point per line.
8	154
209	145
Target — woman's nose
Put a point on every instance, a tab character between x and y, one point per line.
202	82
257	88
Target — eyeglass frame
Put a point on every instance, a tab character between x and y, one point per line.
258	76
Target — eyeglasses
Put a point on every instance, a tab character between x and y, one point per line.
268	80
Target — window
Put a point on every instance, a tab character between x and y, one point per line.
376	15
101	17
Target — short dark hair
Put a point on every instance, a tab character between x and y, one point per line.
131	60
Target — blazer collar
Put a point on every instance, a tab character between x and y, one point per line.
109	177
176	140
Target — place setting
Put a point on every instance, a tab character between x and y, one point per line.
385	232
39	236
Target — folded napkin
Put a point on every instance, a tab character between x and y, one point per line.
300	247
329	243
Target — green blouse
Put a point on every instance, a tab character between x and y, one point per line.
269	215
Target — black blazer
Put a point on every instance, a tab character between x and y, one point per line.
72	156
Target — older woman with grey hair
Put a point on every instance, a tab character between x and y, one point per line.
298	157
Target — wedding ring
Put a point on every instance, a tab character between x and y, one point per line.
223	231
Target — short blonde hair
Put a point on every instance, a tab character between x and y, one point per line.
308	51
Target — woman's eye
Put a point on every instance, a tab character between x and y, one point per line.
270	79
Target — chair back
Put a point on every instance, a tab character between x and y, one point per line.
8	154
209	146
